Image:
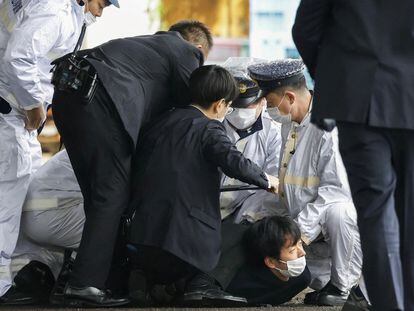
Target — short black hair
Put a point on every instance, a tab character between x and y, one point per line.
211	83
267	237
297	85
195	32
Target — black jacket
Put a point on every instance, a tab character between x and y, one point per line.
176	190
360	53
145	75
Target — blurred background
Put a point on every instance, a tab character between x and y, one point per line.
257	28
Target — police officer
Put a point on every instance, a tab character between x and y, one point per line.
258	138
139	78
32	34
313	182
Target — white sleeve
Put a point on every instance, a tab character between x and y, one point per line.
333	187
29	43
262	203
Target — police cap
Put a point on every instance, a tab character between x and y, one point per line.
278	73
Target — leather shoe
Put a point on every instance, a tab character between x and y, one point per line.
32	285
91	296
330	295
15	297
203	291
356	301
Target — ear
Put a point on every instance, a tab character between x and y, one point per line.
291	96
270	262
216	106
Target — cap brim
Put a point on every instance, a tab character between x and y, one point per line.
244	102
115	3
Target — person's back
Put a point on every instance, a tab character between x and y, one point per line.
371	43
147	75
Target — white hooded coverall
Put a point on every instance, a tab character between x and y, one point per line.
32	34
314	187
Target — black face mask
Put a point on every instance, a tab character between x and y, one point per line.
5	107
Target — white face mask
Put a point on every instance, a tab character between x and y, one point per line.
275	114
89	18
294	267
242	118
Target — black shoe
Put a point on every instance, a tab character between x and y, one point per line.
356	301
330	295
203	291
15	297
56	296
91	296
32	285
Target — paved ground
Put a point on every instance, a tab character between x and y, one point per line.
295	305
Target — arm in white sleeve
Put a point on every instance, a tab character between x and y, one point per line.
263	203
29	43
333	188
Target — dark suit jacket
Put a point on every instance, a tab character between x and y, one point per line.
360	53
145	75
176	190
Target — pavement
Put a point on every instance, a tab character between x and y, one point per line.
296	304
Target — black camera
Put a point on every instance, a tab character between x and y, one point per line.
75	74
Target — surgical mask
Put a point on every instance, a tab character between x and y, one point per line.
228	111
294	267
275	114
89	18
242	118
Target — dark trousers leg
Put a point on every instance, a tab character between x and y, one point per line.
404	201
100	152
368	157
161	267
233	255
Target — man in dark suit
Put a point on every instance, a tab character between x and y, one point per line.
360	54
139	78
177	221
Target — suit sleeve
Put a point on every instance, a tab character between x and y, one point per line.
310	24
218	149
182	69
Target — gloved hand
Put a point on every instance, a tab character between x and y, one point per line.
35	118
274	184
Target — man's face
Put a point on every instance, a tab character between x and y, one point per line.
290	252
96	7
258	105
281	101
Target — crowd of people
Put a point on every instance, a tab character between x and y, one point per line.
184	184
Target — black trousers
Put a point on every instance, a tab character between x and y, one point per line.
233	255
161	267
380	166
100	151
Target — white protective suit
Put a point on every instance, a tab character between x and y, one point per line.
32	34
314	187
263	148
53	214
